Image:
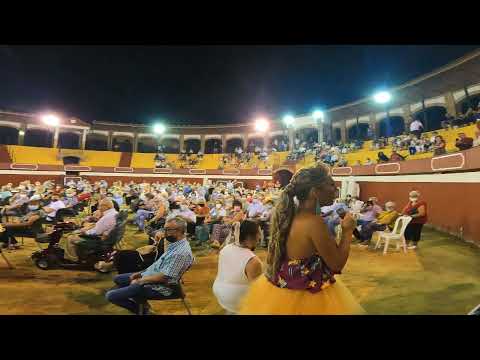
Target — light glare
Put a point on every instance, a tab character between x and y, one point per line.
317	114
261	125
288	120
159	129
51	120
382	97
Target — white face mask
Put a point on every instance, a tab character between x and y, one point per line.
412	199
33	207
218	206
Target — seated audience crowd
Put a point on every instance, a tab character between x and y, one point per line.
175	216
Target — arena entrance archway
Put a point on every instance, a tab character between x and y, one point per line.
283	176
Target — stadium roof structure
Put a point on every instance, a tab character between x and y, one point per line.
453	76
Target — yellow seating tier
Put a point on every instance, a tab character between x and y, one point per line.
49	156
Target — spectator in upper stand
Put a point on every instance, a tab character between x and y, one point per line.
416	128
448	122
463	142
412	148
342	162
368	162
382	158
477	134
396	156
439	146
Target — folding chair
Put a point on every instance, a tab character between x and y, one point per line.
177	293
398	234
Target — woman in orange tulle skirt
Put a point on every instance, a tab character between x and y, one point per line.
304	261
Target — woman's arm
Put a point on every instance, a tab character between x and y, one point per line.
335	255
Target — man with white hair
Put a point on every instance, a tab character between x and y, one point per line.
384	219
16	203
88	238
27	226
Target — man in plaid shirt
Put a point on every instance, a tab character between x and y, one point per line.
156	280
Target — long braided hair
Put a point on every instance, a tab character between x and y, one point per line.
284	212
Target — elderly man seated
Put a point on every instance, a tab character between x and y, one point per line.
55	204
90	236
463	142
384	219
16	203
160	278
26	227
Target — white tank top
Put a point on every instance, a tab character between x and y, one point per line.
232	283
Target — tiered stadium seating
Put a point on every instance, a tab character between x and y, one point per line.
49	156
448	135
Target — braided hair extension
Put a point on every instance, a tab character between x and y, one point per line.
284	212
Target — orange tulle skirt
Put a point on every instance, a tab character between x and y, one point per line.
264	298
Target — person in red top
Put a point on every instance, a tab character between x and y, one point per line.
417	209
83	196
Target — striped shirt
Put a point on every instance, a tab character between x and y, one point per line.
173	263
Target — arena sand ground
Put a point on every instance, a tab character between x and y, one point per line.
442	277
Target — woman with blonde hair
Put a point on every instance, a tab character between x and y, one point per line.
303	258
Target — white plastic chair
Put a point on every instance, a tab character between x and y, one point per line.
398	234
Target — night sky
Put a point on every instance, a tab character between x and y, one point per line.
203	84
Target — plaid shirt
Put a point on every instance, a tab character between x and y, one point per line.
173	263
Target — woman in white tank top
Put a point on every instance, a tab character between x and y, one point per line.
237	266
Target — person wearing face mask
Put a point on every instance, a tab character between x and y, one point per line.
238	266
417	209
160	278
17	202
384	219
55	204
28	226
255	209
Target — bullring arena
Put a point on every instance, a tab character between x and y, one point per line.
256	161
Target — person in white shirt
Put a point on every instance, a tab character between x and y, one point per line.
416	128
52	208
238	266
85	238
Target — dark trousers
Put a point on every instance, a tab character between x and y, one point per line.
413	232
129	296
10	233
365	234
